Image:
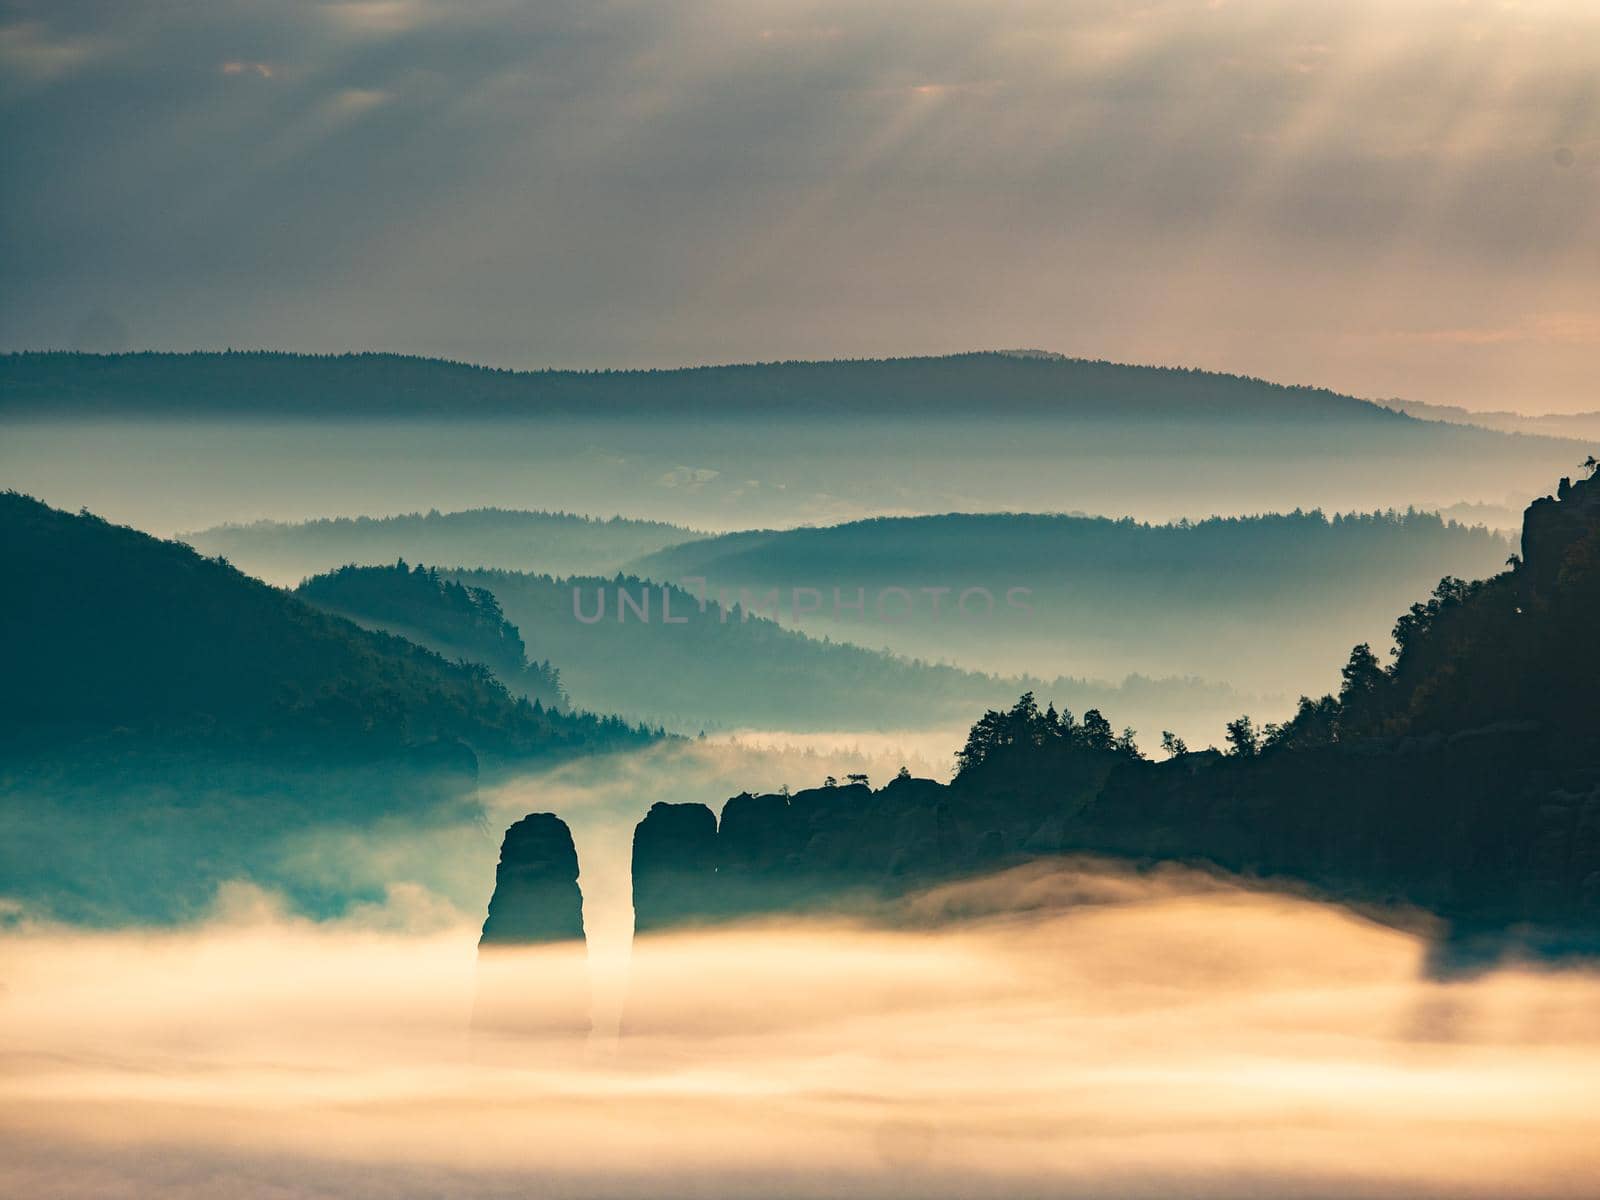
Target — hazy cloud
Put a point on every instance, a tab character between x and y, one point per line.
1267	186
1134	1036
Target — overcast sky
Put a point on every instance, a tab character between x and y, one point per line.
1391	197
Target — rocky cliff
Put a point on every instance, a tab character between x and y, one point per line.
822	848
1554	528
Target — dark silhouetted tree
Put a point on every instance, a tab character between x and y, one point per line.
1243	739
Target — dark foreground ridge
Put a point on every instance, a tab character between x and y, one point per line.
1463	779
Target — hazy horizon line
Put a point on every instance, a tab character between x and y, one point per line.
1013	352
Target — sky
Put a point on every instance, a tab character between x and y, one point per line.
1389	197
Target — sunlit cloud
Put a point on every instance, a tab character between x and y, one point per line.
378	16
351	102
31	51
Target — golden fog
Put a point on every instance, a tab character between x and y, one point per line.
1064	1031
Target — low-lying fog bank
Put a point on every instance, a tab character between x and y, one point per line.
1083	1032
1066	1028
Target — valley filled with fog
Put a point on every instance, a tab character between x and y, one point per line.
1127	629
184	473
1081	1030
1241	896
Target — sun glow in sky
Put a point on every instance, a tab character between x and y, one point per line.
1391	198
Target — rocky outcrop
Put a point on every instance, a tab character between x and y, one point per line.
533	975
1494	830
1551	527
674	867
823	848
536	896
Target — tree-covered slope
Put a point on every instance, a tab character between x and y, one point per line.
1519	649
457	621
720	448
170	727
1051	546
1091	595
106	628
654	652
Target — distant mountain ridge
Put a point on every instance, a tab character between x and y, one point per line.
717	668
1095	596
729	447
1053	543
1580	426
561	543
263	384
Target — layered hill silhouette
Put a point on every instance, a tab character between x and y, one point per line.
554	542
265	383
730	447
1161	608
461	623
1463	779
1580	426
1092	595
651	651
170	725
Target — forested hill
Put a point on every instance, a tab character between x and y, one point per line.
108	630
1104	597
266	384
1051	546
556	542
651	651
458	621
